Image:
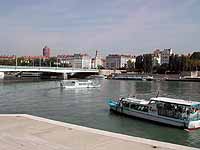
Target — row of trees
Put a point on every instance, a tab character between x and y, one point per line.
21	61
145	63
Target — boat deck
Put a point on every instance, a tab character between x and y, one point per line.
25	132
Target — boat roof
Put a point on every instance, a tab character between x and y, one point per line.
80	81
136	101
176	101
68	80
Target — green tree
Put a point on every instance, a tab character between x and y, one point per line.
139	64
147	63
163	68
130	65
195	61
100	67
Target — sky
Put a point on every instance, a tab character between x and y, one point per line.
110	26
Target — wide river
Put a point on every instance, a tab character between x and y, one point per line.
87	107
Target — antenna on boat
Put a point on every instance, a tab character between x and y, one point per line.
157	94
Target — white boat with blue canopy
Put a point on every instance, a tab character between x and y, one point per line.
175	112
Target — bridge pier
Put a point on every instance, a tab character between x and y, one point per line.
1	75
65	76
51	75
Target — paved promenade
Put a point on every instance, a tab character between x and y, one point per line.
26	132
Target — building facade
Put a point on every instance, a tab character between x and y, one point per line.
118	61
46	52
65	60
81	61
97	61
165	54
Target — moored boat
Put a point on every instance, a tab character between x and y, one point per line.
175	112
149	78
128	78
96	77
72	84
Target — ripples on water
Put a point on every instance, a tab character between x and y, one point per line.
87	107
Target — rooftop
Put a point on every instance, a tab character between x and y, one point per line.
120	55
176	101
137	101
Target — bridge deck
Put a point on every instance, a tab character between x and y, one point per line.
44	69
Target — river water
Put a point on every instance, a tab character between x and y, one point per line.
87	107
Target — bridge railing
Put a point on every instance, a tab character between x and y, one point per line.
39	68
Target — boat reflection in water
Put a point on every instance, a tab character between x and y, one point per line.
175	112
74	84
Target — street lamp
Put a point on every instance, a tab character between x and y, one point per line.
15	61
40	61
57	62
33	62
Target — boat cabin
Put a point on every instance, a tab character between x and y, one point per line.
162	106
69	83
176	108
135	104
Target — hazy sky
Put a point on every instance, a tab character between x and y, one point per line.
111	26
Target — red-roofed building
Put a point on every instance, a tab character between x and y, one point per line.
46	52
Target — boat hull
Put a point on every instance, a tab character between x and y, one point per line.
193	125
74	84
75	87
151	117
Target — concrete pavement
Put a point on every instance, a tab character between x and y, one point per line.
26	132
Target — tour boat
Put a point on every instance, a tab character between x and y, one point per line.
175	112
72	84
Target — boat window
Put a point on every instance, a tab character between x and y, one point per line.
69	83
133	106
173	110
152	102
125	104
145	109
82	83
139	107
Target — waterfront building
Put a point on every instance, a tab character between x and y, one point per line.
133	59
76	61
31	60
7	60
103	63
81	61
66	60
46	52
33	57
97	61
115	61
165	54
7	57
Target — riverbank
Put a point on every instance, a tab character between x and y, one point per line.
154	77
30	132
